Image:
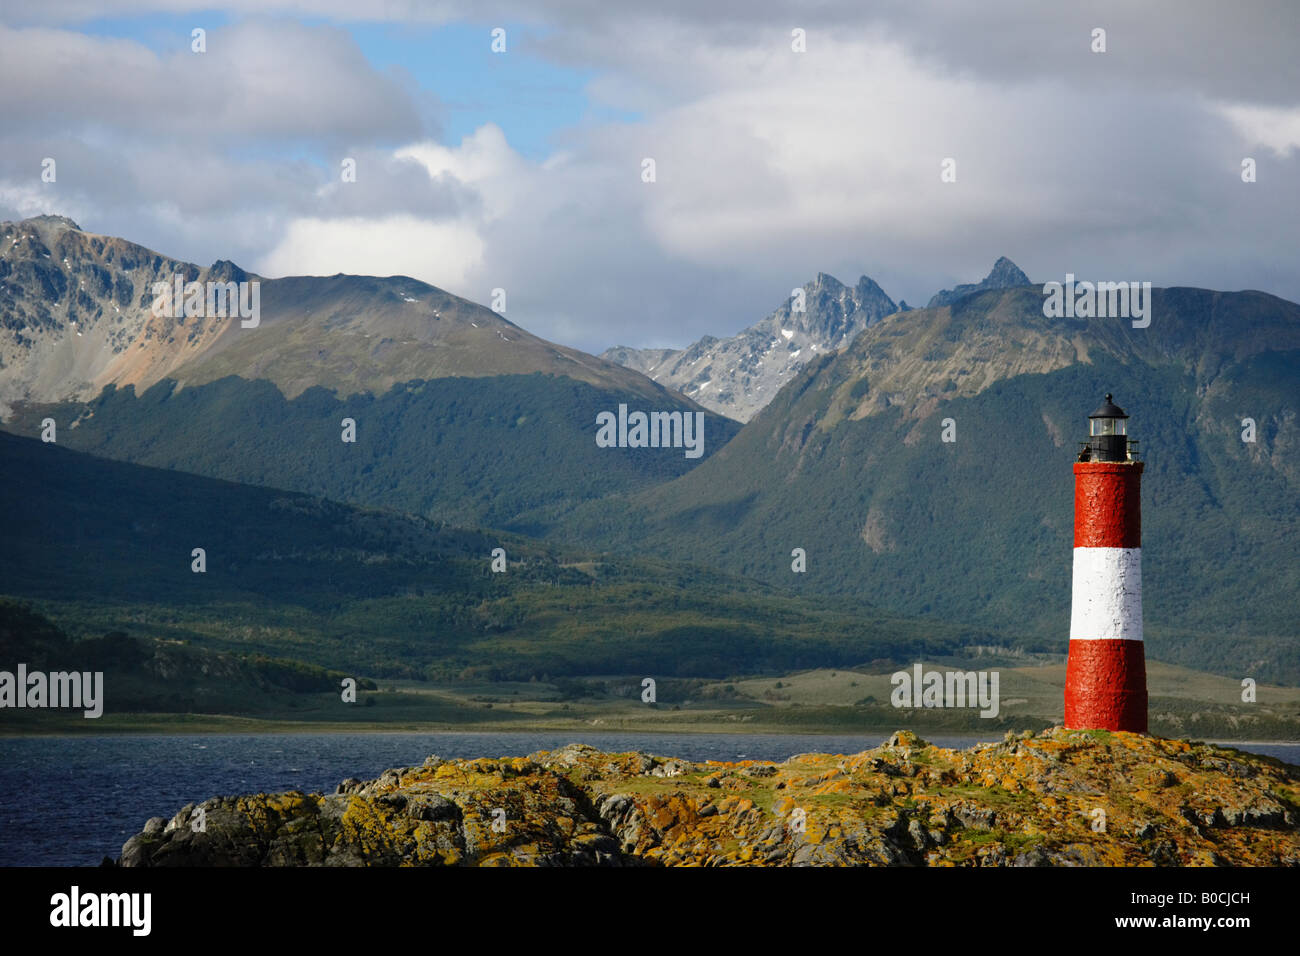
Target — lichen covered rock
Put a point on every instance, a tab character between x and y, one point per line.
1055	798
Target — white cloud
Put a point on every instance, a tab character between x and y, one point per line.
1273	128
776	165
29	199
484	161
771	165
440	253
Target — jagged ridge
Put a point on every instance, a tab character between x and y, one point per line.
737	376
1005	274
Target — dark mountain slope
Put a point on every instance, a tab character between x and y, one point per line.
506	451
106	546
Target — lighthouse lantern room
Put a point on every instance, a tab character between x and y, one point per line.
1108	435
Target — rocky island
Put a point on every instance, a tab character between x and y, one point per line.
1053	798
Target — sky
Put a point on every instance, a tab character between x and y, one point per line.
524	169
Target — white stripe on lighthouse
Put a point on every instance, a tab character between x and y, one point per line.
1106	603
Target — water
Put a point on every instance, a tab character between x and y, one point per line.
71	801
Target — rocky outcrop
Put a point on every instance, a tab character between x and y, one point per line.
1056	798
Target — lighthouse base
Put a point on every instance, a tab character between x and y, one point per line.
1106	686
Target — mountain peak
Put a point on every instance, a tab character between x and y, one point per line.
48	221
737	376
1005	274
866	284
77	315
227	271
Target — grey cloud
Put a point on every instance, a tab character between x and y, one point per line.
1241	50
274	81
1244	50
387	185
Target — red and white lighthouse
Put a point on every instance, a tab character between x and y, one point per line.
1105	677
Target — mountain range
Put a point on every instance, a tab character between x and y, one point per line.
451	406
850	463
922	464
737	376
76	315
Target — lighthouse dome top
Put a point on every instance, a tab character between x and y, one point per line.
1109	410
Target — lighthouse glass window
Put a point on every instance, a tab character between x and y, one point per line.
1106	426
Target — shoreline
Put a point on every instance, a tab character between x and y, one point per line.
276	728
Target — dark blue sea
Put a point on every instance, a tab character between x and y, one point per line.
71	801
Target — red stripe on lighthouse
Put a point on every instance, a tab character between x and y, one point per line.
1106	686
1107	511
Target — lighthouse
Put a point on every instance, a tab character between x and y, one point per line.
1105	677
